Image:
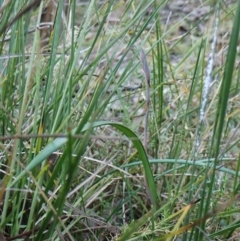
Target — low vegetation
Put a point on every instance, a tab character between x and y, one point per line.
119	120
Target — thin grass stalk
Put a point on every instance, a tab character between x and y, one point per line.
73	62
52	64
223	102
236	185
204	99
227	80
158	78
197	74
20	122
106	13
66	185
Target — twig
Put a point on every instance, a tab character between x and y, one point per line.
26	137
19	15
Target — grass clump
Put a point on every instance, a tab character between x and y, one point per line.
119	120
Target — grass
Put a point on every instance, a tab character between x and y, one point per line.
124	126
